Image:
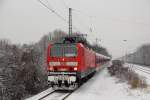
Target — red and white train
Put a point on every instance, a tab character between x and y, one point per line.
69	63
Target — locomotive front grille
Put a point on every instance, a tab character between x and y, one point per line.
62	78
62	73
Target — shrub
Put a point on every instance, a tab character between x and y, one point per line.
125	74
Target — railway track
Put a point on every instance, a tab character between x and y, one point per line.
145	70
51	94
46	95
56	95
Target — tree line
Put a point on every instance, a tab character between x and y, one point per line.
140	56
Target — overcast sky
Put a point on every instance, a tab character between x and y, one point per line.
112	21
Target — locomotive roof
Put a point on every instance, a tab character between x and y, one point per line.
102	55
75	38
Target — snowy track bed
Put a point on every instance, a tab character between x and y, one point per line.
138	67
41	95
56	95
142	71
51	94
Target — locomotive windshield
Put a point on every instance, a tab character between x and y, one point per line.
63	51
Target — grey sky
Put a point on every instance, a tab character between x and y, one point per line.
25	21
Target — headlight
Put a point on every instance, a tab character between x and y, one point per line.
75	68
54	63
72	63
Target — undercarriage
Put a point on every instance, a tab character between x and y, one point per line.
63	80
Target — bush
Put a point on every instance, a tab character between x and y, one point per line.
125	74
137	83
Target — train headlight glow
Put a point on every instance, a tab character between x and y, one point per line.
50	68
54	63
72	63
75	68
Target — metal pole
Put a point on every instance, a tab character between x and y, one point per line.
125	57
70	21
96	42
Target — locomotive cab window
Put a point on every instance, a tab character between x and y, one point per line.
70	51
56	51
63	51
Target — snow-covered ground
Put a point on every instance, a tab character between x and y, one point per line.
105	87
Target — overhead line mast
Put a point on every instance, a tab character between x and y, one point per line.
70	21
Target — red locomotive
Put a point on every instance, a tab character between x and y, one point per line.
70	62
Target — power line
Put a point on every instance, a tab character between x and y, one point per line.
112	18
48	3
81	22
64	3
67	7
58	15
83	13
91	26
53	11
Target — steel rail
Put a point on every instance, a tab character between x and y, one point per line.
46	95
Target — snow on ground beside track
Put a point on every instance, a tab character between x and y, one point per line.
143	74
39	95
104	87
